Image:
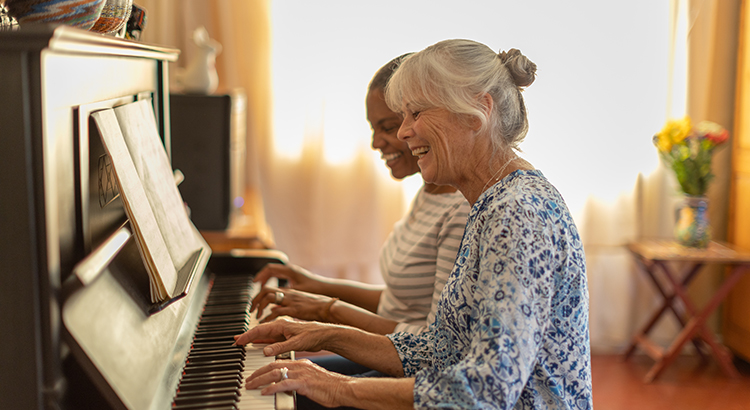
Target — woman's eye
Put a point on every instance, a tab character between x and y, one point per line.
415	114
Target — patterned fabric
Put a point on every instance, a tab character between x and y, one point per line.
136	23
511	330
418	257
114	16
7	22
76	13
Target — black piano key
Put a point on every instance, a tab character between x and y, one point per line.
196	378
225	298
209	397
220	333
225	320
214	368
221	325
240	327
212	375
210	363
204	392
229	339
214	405
236	350
192	358
210	347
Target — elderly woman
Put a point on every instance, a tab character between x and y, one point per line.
511	330
415	260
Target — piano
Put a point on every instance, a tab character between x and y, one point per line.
78	326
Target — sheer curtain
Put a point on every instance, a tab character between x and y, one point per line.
702	68
605	85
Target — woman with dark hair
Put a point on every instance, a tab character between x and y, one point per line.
511	328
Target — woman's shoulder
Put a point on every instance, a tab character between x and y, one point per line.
527	184
519	191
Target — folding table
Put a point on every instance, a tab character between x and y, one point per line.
657	258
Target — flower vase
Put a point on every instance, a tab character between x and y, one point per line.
693	228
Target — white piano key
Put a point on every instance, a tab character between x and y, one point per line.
252	399
255	359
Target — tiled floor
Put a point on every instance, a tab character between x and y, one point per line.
687	384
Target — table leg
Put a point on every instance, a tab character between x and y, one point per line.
667	303
696	324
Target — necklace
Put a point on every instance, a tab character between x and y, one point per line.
499	171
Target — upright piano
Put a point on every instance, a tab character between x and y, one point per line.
77	326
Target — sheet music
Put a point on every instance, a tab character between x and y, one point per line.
162	272
138	125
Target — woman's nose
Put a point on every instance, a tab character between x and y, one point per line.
405	131
377	141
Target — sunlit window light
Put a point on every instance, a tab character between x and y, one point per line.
597	101
677	87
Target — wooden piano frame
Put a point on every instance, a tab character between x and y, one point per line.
76	321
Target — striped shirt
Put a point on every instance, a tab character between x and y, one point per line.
417	258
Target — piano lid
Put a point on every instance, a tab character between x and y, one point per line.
58	37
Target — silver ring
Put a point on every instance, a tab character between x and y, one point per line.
279	298
284	374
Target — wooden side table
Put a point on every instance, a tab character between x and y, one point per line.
655	256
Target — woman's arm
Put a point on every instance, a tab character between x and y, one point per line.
332	389
308	306
368	349
328	388
357	293
348	314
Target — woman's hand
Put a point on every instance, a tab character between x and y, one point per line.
286	335
298	277
302	376
297	304
289	335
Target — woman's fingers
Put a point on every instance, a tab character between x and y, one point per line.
265	296
302	376
279	372
275	270
269	331
275	372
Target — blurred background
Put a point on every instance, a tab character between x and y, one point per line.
609	75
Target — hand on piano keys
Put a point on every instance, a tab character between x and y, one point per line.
215	370
295	303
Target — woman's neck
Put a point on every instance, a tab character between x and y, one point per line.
485	177
438	189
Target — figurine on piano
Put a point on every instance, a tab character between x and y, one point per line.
415	260
511	327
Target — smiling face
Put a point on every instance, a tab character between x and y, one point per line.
385	125
447	147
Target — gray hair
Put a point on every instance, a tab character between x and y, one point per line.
452	74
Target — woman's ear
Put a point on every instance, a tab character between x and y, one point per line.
486	104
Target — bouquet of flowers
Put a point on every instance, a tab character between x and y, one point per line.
687	150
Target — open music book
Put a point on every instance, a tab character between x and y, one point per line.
166	237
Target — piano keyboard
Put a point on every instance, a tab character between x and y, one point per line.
215	371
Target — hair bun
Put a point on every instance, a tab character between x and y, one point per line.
521	68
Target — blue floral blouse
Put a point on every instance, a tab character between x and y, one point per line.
511	330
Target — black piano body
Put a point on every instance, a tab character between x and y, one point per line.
78	328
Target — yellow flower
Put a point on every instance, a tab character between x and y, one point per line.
688	150
674	132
